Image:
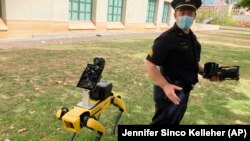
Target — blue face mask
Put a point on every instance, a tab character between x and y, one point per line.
185	22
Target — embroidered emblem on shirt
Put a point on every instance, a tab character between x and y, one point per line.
184	45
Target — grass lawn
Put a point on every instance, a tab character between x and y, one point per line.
37	81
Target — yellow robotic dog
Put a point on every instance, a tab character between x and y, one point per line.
97	97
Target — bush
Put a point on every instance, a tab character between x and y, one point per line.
215	18
227	21
203	15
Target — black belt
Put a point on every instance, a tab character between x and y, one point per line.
186	87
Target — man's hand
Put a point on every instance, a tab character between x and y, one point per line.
215	78
169	90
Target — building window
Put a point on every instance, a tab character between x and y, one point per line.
151	11
80	10
165	14
115	10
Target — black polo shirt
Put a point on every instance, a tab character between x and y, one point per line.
177	54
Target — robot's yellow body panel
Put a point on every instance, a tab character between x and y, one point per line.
97	125
120	103
71	120
79	117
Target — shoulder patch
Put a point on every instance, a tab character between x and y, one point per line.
151	52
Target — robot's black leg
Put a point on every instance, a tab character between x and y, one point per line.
98	138
116	121
72	136
98	117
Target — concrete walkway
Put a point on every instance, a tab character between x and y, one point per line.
49	39
234	28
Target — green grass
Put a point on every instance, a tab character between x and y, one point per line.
37	81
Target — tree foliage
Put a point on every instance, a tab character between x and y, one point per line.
243	4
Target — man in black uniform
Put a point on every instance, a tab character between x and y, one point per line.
173	64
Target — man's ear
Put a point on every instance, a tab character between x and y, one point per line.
175	14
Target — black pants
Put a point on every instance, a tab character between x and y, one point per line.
166	112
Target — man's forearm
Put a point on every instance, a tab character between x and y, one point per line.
200	69
155	74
